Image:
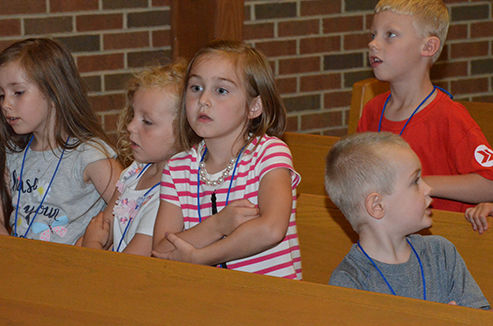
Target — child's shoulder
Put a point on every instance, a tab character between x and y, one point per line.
433	244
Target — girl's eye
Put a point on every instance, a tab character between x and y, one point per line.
222	91
372	35
146	122
390	34
196	88
18	93
416	181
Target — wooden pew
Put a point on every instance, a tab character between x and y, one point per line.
325	238
365	90
309	153
47	284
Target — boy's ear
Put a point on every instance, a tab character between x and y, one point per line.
256	108
375	206
431	46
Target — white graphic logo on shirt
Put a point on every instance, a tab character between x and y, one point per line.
484	156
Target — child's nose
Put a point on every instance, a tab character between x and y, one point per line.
131	126
204	100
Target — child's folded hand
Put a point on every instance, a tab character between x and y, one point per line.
98	231
478	216
183	251
235	214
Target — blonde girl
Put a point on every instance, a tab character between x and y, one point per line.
229	199
147	127
59	163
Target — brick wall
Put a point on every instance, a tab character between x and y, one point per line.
318	48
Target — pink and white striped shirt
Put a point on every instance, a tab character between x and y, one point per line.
179	187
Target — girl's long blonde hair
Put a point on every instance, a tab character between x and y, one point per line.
151	78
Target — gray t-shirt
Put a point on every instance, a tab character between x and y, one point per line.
70	203
446	275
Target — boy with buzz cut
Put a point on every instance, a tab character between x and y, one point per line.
375	180
408	36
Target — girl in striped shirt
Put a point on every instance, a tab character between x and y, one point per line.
229	199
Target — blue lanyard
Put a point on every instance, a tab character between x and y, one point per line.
140	201
390	287
230	182
44	196
414	112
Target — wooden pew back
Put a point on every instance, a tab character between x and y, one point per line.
365	90
309	153
325	238
51	284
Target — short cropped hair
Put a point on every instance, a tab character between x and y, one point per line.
431	16
357	166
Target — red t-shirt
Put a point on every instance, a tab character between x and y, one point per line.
443	135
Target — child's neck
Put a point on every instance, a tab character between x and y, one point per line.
386	249
151	176
43	143
406	97
219	155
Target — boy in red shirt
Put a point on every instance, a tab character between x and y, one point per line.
408	36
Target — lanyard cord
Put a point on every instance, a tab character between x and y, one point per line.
230	182
140	201
388	284
46	192
416	110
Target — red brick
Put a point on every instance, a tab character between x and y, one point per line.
302	27
277	48
48	25
110	121
449	70
482	29
292	125
258	31
299	65
466	50
320	82
320	44
356	41
104	103
343	24
99	22
485	98
320	7
161	38
100	62
457	32
10	27
161	3
286	85
321	120
470	86
337	99
22	7
64	5
126	40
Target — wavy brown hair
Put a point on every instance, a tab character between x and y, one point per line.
50	66
158	77
258	79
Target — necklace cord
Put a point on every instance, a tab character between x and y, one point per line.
47	189
385	279
409	119
140	201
